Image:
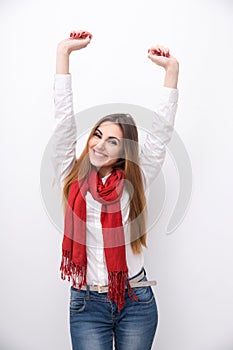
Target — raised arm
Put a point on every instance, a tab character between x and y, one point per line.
64	134
153	150
77	41
161	56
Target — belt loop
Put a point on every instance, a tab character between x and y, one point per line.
88	292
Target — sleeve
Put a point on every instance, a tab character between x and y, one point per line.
153	151
64	132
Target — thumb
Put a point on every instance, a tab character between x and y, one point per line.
88	39
149	55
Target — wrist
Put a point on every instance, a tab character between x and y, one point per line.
62	60
172	67
171	75
62	50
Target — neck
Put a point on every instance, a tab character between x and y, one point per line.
104	171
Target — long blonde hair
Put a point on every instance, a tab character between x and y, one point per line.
129	163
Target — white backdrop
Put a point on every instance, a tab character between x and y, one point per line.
193	265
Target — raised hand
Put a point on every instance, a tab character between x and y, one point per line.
161	56
77	40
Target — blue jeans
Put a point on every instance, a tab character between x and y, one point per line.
94	321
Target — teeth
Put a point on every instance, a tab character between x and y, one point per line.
99	154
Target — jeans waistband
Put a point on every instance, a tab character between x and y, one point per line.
134	281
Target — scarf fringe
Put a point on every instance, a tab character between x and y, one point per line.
131	292
72	271
117	282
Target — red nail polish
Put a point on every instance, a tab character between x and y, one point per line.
148	50
71	34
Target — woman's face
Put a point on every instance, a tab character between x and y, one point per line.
105	146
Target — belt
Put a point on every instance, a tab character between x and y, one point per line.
134	283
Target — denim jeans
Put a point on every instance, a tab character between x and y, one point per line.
95	321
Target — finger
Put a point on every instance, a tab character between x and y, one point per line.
159	50
84	38
75	33
156	48
80	34
164	51
155	51
85	35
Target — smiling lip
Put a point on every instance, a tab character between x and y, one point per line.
98	154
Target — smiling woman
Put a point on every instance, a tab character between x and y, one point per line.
105	147
105	205
113	145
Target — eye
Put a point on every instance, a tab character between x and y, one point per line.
97	134
113	142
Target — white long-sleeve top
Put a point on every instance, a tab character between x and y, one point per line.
152	155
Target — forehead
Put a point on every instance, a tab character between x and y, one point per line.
110	128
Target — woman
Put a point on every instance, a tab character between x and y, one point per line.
105	211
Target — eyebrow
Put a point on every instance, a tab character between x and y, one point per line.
110	137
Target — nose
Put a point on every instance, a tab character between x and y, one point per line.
100	145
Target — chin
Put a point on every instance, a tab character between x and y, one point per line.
96	162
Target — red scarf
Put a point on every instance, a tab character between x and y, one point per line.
74	258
